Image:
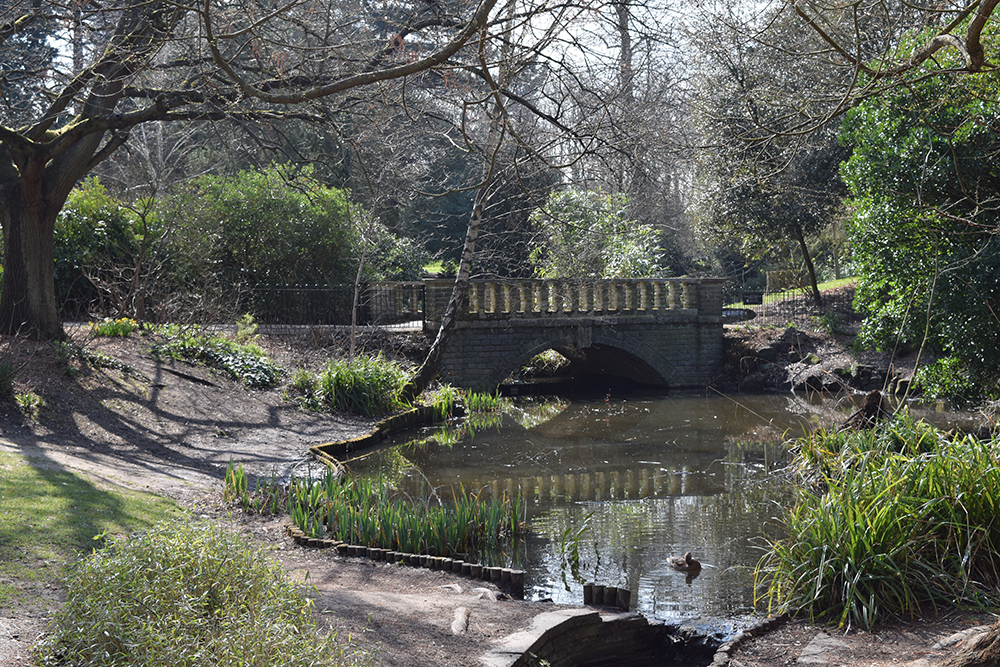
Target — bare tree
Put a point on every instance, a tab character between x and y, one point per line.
255	64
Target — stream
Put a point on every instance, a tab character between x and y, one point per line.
616	486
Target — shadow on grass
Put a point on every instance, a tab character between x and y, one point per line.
49	516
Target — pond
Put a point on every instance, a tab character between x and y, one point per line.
616	486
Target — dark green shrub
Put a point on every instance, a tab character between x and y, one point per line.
102	245
945	378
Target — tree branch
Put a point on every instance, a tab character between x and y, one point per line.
439	57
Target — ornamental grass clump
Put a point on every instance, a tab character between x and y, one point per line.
186	594
361	385
896	521
369	511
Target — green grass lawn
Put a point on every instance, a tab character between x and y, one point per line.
49	516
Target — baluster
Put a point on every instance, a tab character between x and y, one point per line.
674	297
490	297
505	292
628	294
523	298
575	290
475	299
657	295
584	295
643	288
555	297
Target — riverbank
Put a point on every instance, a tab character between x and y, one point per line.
811	350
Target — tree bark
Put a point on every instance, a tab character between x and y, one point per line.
27	298
801	238
984	652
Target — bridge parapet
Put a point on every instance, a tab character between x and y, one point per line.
488	299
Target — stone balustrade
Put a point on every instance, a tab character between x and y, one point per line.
487	299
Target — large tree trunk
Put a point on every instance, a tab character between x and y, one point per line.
27	290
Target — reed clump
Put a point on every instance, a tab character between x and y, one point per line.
369	511
360	385
896	521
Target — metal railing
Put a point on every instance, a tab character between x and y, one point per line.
378	303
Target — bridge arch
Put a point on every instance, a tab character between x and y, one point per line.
606	355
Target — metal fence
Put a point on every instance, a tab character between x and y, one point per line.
378	303
763	308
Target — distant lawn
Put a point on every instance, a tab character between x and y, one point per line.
49	516
434	267
834	284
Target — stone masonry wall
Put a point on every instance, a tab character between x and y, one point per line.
677	336
682	351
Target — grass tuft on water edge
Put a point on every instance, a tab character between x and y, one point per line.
896	521
369	511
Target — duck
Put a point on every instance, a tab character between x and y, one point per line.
684	563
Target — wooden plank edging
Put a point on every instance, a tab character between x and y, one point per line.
328	452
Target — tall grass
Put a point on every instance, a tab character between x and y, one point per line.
444	399
896	521
370	512
362	385
484	402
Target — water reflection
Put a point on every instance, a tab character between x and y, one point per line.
644	478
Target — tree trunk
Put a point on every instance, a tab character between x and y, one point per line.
984	652
432	362
27	291
817	297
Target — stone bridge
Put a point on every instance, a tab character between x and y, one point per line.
664	332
